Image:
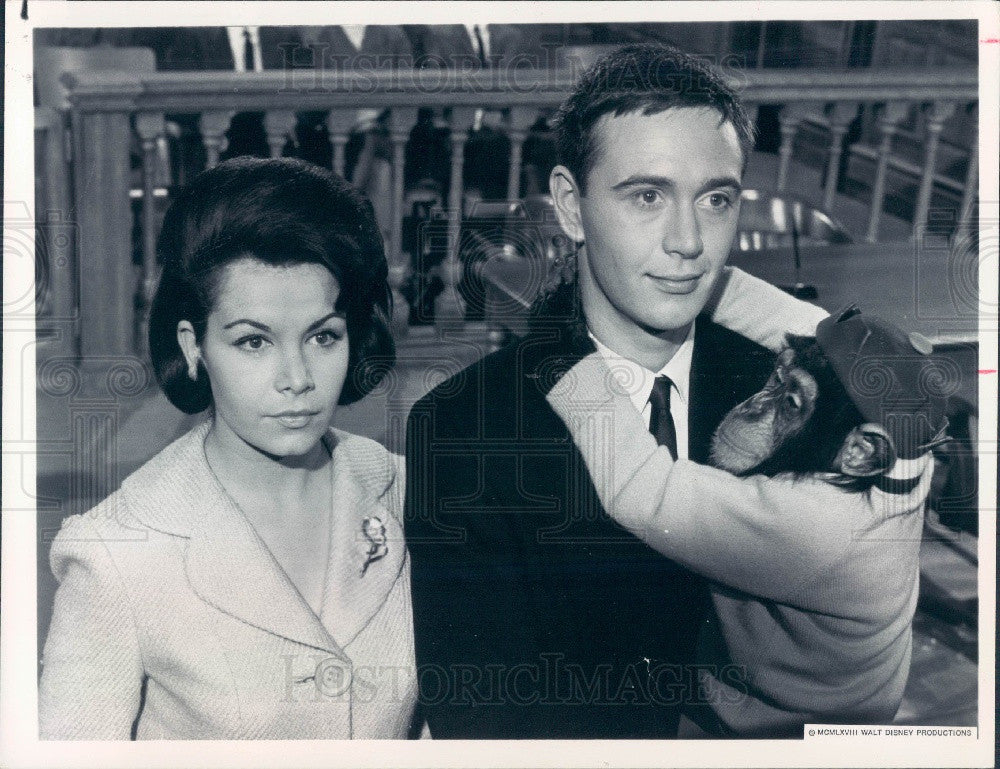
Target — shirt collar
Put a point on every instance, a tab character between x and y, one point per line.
637	381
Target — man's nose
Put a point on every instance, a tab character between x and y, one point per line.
295	376
682	233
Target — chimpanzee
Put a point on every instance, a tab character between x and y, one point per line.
805	421
808	529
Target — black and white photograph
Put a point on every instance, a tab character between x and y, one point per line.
500	384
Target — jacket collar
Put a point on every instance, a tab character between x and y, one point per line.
230	567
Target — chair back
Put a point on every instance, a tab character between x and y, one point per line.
775	220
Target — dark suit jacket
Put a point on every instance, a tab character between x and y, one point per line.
452	44
207	48
383	45
536	615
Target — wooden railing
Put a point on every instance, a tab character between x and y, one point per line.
109	108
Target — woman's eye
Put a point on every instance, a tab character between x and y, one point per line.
327	338
251	343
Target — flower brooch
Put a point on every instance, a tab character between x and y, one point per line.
374	531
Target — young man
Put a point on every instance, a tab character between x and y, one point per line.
536	615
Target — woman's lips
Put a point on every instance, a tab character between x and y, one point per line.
675	285
296	420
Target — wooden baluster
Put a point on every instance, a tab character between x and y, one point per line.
841	114
212	125
401	121
519	120
889	117
107	281
338	128
790	117
60	241
449	308
150	126
279	125
937	114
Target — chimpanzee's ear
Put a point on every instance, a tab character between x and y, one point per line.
868	450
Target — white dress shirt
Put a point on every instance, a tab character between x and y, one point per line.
355	33
484	32
637	381
236	44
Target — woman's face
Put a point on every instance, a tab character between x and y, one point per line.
276	353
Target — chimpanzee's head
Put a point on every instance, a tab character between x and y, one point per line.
845	404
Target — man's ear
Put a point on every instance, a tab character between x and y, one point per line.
566	197
188	342
867	451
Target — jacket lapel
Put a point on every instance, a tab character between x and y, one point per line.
354	592
227	564
726	369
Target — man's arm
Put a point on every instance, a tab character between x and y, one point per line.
759	311
767	537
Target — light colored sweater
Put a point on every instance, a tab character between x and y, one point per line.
172	613
814	588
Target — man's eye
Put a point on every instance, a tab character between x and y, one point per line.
648	198
251	343
719	201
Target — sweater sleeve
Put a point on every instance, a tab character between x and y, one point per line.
91	668
763	536
761	312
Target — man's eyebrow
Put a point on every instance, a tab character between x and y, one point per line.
643	180
652	180
722	181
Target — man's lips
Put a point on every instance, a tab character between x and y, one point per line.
675	284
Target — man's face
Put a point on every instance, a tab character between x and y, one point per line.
658	220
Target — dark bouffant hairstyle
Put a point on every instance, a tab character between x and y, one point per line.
282	212
646	78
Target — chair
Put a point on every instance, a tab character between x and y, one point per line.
776	220
508	250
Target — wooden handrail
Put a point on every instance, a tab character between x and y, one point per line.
107	108
326	89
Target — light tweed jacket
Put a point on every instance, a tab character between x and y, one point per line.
172	614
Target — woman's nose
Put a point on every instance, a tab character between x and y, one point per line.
294	376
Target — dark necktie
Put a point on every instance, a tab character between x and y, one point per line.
661	424
247	50
480	47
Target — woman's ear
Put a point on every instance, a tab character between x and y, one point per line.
566	198
867	451
188	343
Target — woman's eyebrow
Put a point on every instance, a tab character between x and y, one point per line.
317	323
264	327
247	321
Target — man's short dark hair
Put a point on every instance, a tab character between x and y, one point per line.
641	78
282	212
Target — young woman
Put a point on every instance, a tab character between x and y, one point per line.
250	581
